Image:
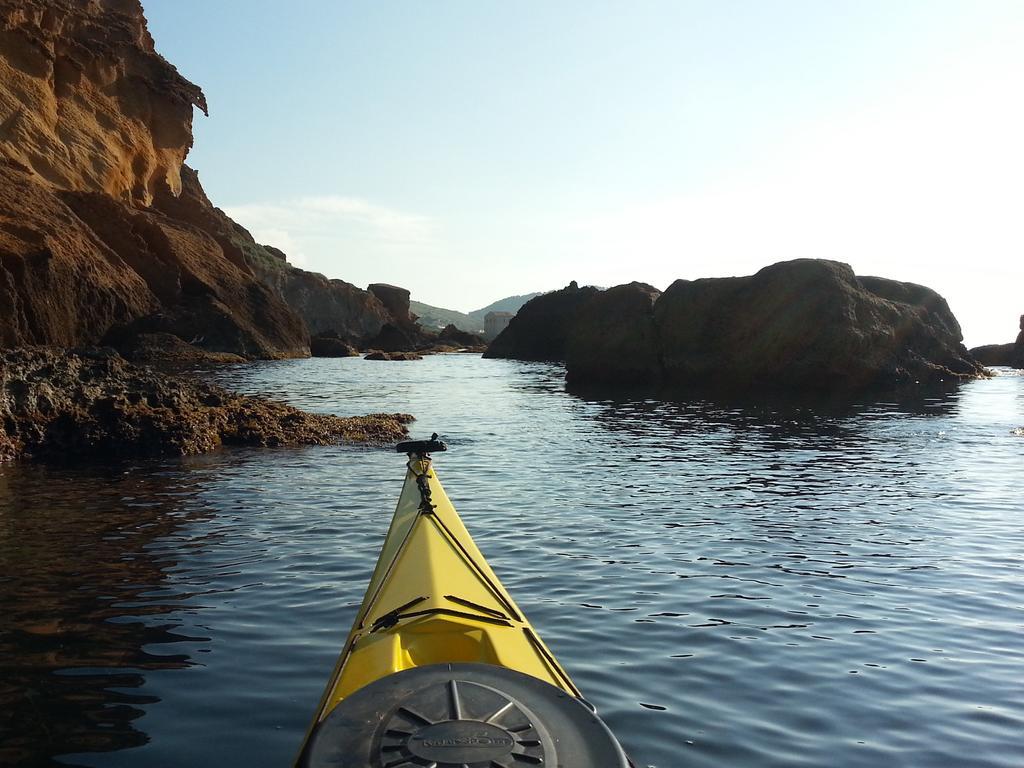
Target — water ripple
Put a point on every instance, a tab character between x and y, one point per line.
766	585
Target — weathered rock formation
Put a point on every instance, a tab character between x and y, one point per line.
541	329
104	232
98	227
808	324
804	324
59	282
59	405
328	306
401	332
86	101
396	302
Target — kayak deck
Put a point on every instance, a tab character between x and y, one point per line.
434	599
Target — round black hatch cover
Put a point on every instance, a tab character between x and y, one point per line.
461	716
456	721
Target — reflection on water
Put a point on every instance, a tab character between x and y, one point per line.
82	575
757	584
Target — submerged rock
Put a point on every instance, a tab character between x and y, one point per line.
60	405
400	356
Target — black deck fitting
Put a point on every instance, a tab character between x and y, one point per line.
422	447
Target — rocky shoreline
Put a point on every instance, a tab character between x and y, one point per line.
64	405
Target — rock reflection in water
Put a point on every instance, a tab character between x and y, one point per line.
746	584
82	613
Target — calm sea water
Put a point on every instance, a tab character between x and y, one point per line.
732	586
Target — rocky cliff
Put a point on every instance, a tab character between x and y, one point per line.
86	102
324	305
800	325
104	233
328	306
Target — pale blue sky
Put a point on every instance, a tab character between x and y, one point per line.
471	150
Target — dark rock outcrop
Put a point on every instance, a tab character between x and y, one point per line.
613	339
59	405
994	354
802	325
451	335
395	338
401	332
396	302
165	349
331	346
807	324
541	329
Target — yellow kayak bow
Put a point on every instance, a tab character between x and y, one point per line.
441	667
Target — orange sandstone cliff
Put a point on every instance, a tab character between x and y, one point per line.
105	234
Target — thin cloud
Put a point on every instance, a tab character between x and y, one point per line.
342	237
327	215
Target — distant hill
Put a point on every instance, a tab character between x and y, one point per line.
438	317
508	304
